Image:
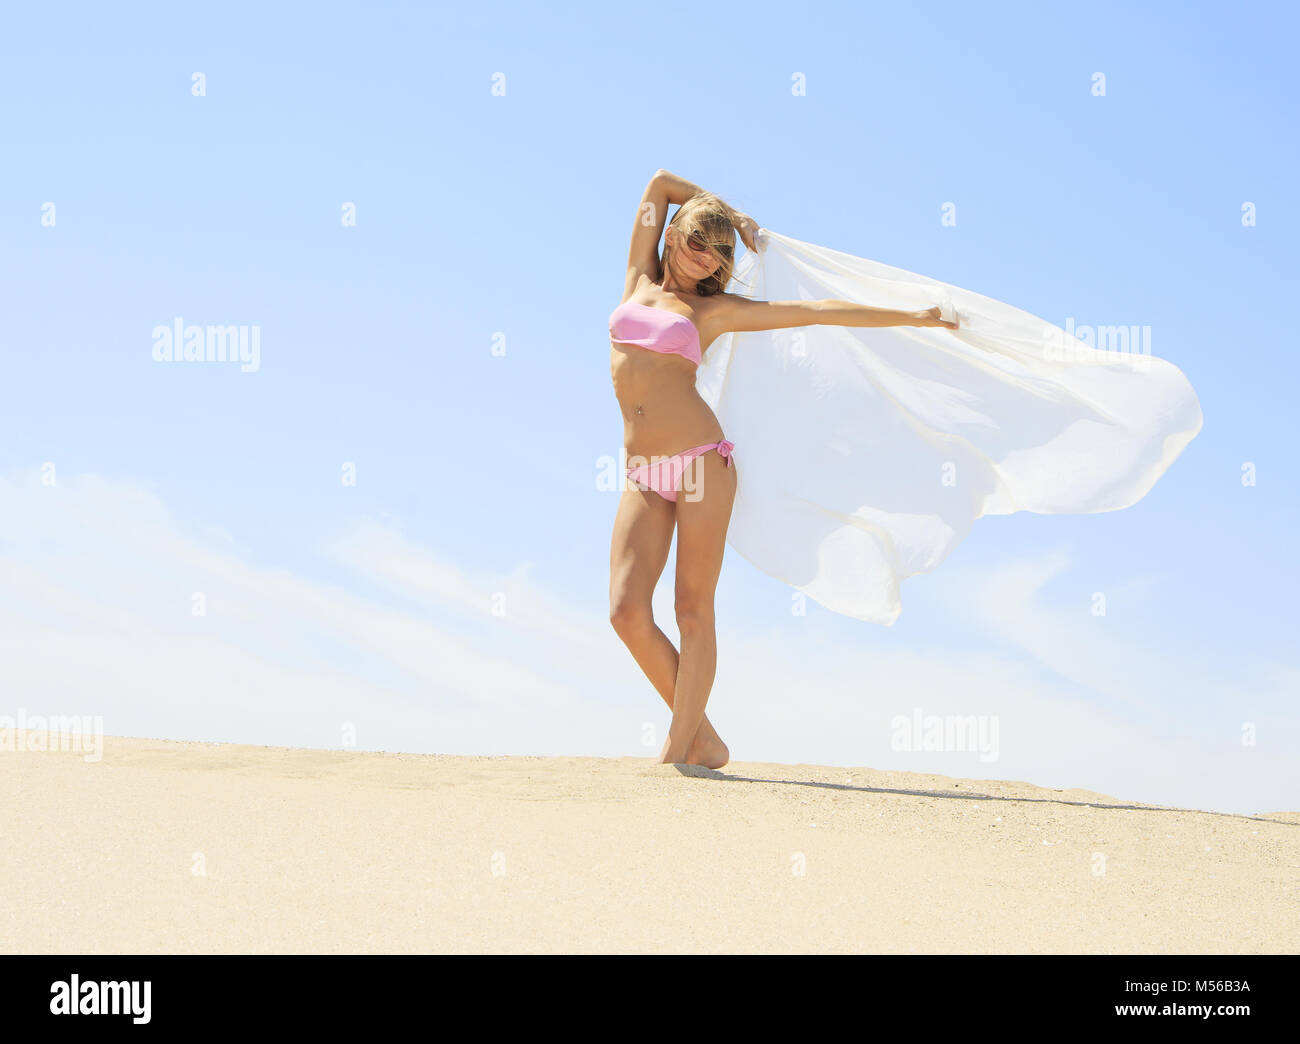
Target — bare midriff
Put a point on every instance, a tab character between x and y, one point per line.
663	413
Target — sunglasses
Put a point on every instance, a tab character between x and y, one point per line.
699	245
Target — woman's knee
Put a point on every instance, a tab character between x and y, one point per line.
630	616
694	613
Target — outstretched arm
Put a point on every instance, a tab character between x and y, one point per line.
740	313
846	313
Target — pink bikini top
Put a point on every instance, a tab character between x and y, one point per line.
658	329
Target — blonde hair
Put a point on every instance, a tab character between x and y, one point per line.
716	222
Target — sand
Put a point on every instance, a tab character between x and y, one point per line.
180	847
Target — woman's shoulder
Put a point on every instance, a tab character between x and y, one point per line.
720	305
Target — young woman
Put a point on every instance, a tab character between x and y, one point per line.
674	306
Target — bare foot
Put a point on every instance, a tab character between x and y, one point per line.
711	755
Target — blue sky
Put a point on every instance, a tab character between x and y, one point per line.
480	216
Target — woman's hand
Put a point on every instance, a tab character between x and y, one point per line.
934	317
747	227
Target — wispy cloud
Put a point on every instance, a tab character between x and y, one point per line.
97	587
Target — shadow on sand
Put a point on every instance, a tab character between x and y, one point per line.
707	773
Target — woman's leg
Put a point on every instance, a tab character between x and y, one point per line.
702	518
643	533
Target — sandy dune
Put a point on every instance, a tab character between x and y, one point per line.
324	851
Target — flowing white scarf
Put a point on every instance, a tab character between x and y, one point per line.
864	455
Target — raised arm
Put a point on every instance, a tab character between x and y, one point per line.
663	190
740	313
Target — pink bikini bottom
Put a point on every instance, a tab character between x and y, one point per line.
664	476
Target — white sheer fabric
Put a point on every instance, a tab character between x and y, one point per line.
864	455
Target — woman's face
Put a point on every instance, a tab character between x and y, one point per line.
694	264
